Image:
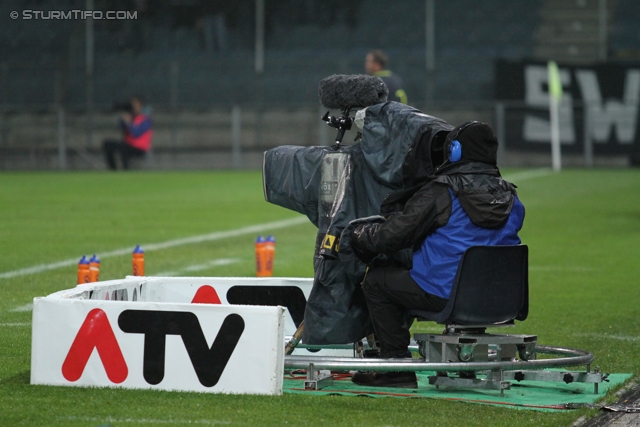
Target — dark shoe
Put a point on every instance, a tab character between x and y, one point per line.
386	379
371	354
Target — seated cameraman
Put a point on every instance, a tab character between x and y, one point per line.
466	203
136	140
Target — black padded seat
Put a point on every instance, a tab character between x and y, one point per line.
491	288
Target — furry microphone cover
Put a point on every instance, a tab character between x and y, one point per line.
341	91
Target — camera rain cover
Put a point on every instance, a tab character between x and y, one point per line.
333	186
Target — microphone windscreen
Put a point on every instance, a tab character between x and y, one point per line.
341	91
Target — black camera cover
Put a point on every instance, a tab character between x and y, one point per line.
334	186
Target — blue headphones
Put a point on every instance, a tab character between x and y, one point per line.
455	151
454	148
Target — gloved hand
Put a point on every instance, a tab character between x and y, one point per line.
361	252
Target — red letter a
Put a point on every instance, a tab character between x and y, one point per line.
95	332
206	295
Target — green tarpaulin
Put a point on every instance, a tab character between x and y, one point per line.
536	395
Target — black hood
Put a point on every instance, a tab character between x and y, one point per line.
478	142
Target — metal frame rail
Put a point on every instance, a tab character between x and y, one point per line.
496	379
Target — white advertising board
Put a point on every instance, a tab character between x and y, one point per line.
156	345
291	293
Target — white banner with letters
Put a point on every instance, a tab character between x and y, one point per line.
133	343
600	104
291	293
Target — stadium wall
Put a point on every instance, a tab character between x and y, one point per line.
206	140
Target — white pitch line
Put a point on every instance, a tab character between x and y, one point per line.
199	267
218	235
576	269
528	174
612	337
145	421
214	263
14	324
22	308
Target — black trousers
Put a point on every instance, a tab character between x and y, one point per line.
113	148
390	292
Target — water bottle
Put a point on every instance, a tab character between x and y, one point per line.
94	269
83	271
138	261
269	254
260	256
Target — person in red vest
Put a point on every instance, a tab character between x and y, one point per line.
137	130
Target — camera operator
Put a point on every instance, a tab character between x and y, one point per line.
466	203
136	135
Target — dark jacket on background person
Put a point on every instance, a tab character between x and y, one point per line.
395	84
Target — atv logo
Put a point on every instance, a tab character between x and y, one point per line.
96	332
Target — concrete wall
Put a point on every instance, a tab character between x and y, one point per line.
202	139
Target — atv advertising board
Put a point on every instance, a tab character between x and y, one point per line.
131	334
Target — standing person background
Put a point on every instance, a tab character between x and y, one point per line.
137	130
375	64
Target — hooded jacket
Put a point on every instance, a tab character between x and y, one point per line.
466	203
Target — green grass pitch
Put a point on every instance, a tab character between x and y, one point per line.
582	228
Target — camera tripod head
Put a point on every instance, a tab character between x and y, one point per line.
342	123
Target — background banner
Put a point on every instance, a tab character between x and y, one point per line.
599	102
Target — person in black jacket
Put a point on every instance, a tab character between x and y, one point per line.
375	64
466	203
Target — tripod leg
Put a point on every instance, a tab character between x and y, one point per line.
295	339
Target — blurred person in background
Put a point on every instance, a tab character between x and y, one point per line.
137	130
375	64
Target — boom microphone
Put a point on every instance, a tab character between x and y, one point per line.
341	91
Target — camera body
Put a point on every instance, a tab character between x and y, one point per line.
333	186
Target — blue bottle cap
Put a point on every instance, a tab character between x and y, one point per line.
260	239
95	258
270	238
138	250
83	260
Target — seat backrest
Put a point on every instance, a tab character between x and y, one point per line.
491	286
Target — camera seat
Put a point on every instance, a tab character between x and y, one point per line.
490	289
